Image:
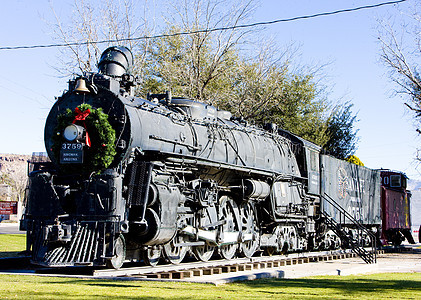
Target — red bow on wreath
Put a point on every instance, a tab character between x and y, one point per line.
81	116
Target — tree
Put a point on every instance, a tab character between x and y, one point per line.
93	21
197	65
301	111
400	52
276	95
17	180
343	138
259	89
180	64
354	160
217	67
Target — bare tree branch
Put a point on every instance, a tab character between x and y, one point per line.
108	20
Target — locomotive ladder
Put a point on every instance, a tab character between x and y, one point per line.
369	257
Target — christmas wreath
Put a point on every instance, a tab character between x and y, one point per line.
99	149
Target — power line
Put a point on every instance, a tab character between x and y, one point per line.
205	30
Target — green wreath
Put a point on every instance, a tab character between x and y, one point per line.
101	151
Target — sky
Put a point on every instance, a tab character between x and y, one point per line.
346	42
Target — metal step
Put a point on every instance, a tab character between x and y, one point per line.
368	256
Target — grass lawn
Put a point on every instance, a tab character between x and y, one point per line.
377	286
12	244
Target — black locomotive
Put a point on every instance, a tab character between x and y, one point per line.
134	179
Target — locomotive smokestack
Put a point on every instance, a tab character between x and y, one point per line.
115	61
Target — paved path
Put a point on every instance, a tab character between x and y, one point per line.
386	263
10	228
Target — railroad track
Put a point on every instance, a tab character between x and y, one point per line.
197	269
189	270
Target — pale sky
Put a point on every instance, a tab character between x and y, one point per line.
348	41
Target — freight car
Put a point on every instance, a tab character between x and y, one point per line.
134	179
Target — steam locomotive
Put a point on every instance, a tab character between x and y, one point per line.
134	179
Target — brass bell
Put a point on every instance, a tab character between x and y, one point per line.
81	86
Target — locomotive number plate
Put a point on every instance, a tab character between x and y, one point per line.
71	153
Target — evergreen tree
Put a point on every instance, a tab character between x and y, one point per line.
343	138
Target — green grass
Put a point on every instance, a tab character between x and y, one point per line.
377	286
12	244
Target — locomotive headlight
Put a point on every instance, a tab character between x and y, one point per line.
73	132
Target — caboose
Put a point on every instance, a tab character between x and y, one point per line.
395	205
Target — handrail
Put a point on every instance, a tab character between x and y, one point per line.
349	216
343	215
